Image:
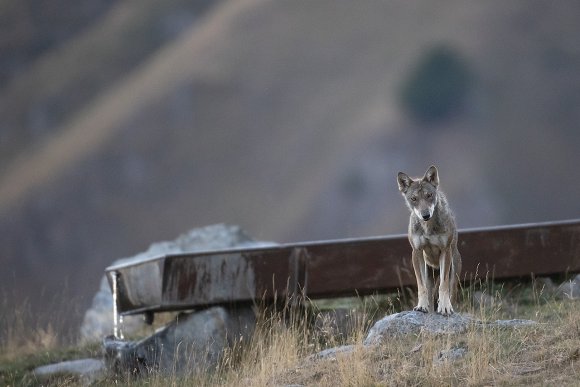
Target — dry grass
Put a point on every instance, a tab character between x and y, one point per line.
20	335
280	351
29	340
495	356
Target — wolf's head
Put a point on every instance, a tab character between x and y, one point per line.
420	194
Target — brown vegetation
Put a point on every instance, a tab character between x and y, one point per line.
283	351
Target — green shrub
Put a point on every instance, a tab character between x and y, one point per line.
437	88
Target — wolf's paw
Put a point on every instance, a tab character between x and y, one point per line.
420	308
445	312
445	308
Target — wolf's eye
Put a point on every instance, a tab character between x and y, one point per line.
429	195
413	198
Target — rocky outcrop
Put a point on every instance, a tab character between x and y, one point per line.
569	289
98	320
413	322
191	343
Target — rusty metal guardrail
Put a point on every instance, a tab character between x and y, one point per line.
333	268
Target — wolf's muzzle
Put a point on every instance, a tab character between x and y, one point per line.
426	215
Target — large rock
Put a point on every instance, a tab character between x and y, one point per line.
412	322
570	289
193	342
98	320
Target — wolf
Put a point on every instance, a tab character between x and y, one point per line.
433	237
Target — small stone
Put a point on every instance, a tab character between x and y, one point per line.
450	355
331	353
87	370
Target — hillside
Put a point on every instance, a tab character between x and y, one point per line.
281	117
29	29
49	88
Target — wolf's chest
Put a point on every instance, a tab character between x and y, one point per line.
431	246
429	241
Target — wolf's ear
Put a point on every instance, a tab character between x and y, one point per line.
404	182
432	176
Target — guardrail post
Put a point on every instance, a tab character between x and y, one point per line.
299	275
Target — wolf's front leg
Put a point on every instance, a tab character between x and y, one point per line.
421	276
444	306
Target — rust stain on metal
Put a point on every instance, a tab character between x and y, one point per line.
336	268
216	278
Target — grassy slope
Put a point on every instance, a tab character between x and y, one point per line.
278	354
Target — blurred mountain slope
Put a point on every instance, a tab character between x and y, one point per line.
51	88
30	28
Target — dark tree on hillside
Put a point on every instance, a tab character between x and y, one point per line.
437	88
